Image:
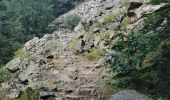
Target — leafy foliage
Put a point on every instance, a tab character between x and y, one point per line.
21	20
4	75
159	1
113	17
141	60
32	94
94	54
21	53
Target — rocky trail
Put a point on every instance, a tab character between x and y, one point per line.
56	68
75	77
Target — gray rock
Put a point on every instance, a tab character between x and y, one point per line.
5	85
14	93
96	30
88	89
102	45
88	46
100	63
109	6
78	27
80	46
24	76
31	44
137	9
24	64
96	40
13	65
130	95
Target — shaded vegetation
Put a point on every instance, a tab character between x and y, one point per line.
94	54
141	60
4	75
159	1
21	54
21	20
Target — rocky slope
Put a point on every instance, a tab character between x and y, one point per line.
52	65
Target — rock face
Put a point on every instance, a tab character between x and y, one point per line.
130	95
52	65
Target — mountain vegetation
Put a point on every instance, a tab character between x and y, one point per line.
21	20
142	58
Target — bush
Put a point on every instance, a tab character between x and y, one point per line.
74	44
94	54
71	20
112	17
125	22
4	75
140	60
32	94
159	1
21	54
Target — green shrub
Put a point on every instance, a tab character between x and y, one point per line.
94	54
74	44
125	22
71	20
112	17
109	18
4	75
141	60
21	53
33	94
121	82
159	1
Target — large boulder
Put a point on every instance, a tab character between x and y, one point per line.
31	44
13	65
14	93
137	9
130	95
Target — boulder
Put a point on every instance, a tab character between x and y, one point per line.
14	93
137	9
88	46
130	95
31	44
96	40
96	30
100	63
13	65
103	45
109	6
78	27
